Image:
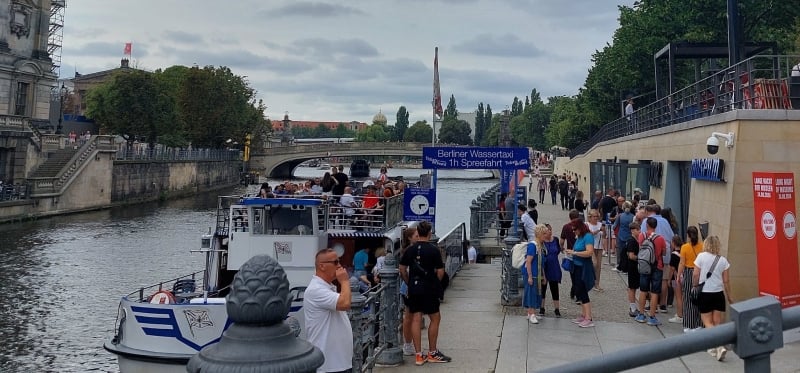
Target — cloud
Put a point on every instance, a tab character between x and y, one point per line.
241	59
314	10
104	49
326	47
182	37
506	45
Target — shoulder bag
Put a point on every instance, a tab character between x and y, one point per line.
694	292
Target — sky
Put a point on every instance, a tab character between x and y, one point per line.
346	60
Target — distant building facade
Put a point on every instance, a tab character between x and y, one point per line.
280	126
26	76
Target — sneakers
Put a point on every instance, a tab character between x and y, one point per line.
640	317
420	359
586	323
557	312
712	351
633	313
438	357
676	320
721	353
662	309
408	349
653	321
532	318
614	269
578	320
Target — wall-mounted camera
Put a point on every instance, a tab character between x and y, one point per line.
712	144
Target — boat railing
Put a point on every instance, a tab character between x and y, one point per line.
185	287
386	213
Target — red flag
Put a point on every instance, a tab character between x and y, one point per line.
437	95
128	48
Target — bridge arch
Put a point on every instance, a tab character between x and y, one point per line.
280	162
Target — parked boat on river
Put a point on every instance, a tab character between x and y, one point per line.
158	328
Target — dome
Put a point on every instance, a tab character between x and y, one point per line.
379	118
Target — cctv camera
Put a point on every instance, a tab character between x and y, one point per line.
712	145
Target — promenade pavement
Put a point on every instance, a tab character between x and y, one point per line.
483	336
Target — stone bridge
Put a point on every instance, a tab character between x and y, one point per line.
279	162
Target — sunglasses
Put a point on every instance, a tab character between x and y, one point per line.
334	262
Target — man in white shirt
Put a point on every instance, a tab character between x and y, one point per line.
528	224
325	311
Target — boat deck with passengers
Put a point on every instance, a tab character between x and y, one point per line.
159	327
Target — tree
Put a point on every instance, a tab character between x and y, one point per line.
451	111
488	124
420	131
401	125
130	105
480	126
342	131
455	131
373	133
514	111
322	131
493	134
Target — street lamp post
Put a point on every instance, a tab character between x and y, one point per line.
62	93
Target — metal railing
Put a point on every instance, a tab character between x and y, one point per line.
756	330
12	192
50	186
452	247
483	214
160	153
760	82
143	293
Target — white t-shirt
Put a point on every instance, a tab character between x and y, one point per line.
703	263
529	225
328	329
347	201
472	254
597	235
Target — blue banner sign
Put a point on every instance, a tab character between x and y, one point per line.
708	169
475	158
419	204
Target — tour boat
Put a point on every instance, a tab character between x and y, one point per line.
158	328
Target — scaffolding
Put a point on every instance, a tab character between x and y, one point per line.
56	34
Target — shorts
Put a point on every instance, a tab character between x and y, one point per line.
651	283
405	300
709	302
426	303
633	275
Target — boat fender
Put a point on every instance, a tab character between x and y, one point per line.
162	297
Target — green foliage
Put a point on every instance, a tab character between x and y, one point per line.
343	131
401	125
323	131
451	111
179	106
455	131
373	133
480	124
132	105
492	137
420	131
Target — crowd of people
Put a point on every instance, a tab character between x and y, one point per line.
662	268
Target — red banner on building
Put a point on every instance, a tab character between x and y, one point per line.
776	236
128	49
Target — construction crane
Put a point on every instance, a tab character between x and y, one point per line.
55	35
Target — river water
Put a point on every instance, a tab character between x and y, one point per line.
61	278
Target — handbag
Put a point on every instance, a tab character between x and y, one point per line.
694	292
566	264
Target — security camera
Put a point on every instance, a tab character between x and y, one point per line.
712	145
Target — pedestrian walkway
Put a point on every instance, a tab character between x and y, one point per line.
483	336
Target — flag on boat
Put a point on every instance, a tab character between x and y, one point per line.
128	49
437	95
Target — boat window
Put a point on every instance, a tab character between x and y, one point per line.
239	219
288	220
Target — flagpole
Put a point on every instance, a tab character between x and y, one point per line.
436	94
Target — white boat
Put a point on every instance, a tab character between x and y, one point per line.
158	328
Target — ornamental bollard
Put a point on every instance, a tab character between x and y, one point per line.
474	219
358	318
510	295
258	340
390	314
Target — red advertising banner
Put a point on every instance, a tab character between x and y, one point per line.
776	236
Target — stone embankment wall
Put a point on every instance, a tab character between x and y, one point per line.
134	182
103	183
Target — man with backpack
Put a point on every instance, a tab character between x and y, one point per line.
650	261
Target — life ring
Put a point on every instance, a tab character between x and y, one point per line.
162	297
